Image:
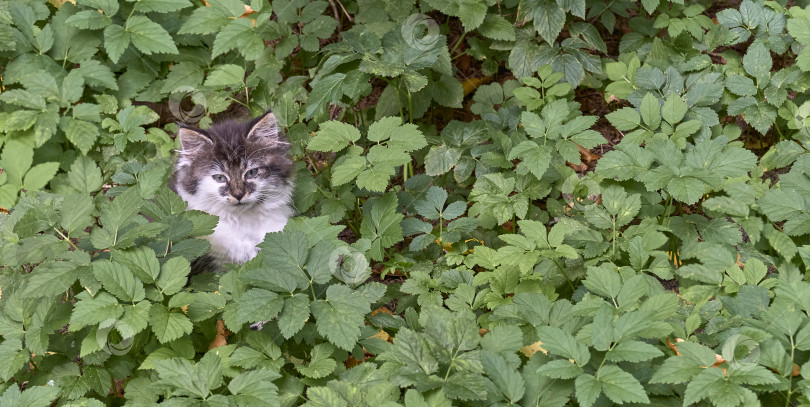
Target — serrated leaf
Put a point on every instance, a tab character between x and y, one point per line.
39	175
239	34
173	275
94	310
168	325
620	386
294	314
497	28
333	136
651	111
320	363
259	305
149	37
116	41
118	280
225	75
327	91
559	342
624	119
340	316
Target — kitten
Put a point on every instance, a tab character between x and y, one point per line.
241	172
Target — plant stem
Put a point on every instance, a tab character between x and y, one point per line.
460	39
559	267
410	108
613	256
67	239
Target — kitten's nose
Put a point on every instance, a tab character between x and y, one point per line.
238	195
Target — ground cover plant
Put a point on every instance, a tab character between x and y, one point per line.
514	202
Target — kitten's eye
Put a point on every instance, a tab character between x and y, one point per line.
219	178
252	173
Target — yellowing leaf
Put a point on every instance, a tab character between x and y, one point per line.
530	350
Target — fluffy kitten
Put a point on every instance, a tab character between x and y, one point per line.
241	172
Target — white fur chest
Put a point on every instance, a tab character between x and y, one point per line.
239	230
235	237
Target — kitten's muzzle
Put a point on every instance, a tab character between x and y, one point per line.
236	197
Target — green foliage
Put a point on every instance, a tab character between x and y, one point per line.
495	200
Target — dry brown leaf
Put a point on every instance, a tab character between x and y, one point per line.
221	339
472	84
60	3
530	350
381	309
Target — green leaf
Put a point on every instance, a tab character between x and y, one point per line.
76	211
348	170
507	380
559	342
497	28
116	41
382	226
674	109
627	161
84	175
686	189
239	34
651	111
39	175
620	386
333	136
587	389
441	159
711	383
205	20
94	310
89	20
326	91
173	275
324	397
624	119
534	158
560	369
226	75
405	137
149	37
259	305
470	12
15	160
33	396
320	363
118	280
161	6
741	85
294	314
549	19
650	5
758	63
50	279
761	116
81	133
633	351
168	325
340	316
254	387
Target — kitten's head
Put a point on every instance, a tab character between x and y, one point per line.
235	166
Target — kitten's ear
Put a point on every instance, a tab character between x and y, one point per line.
192	140
265	129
